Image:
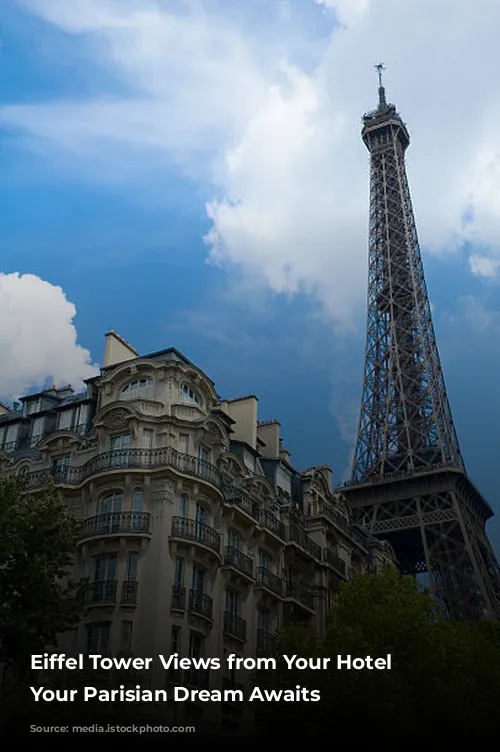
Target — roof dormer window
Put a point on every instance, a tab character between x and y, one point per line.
188	395
138	389
33	406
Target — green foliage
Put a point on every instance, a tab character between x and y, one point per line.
38	536
445	677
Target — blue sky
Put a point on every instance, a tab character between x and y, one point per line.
191	174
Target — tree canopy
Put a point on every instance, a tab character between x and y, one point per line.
38	536
444	680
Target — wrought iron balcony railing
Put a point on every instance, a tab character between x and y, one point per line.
178	597
114	523
300	538
235	626
263	517
334	560
200	604
128	459
270	581
233	557
193	530
129	592
264	639
101	591
300	593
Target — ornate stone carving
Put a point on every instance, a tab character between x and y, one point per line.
117	418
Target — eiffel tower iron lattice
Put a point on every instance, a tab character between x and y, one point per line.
409	484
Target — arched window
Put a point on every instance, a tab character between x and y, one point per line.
138	389
188	394
110	511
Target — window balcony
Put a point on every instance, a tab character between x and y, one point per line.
270	581
196	677
178	598
129	593
102	592
271	523
265	519
196	532
300	594
264	640
234	558
200	604
299	538
334	561
116	523
235	626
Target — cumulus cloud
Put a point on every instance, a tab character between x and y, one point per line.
38	339
264	105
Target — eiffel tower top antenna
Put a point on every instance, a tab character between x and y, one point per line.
381	90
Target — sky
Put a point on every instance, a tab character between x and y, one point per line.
190	173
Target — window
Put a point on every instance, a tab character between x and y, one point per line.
201	518
234	540
110	510
148	437
184	443
137	504
33	407
263	620
65	420
11	437
105	568
188	394
232	602
98	638
138	389
132	566
2	436
61	467
198	579
119	446
195	645
126	637
265	561
175	641
183	506
179	571
37	428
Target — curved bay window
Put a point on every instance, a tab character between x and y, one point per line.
138	389
188	395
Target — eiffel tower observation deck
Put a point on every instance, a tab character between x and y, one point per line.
409	484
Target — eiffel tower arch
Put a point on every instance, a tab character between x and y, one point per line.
409	484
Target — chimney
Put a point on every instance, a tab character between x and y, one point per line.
117	350
268	431
243	410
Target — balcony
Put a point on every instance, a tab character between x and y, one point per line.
128	459
262	517
116	523
200	604
178	598
129	593
196	532
270	581
298	537
196	677
334	561
324	509
235	626
233	557
265	640
300	594
102	592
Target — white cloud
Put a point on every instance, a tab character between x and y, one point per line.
269	114
484	266
38	340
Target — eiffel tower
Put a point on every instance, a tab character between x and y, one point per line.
409	484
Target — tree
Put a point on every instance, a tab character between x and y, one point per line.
38	537
445	677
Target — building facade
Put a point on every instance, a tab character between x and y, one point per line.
199	537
